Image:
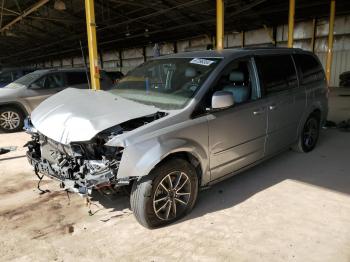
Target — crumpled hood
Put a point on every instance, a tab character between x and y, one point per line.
78	115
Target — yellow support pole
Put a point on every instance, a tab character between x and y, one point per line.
92	42
219	24
291	22
330	42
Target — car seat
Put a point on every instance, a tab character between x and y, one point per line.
237	87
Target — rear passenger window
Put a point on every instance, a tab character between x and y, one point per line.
277	73
310	69
76	78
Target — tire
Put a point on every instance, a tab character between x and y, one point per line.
309	135
148	194
11	119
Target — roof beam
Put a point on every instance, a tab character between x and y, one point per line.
27	12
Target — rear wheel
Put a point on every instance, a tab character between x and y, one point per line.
309	135
167	194
11	119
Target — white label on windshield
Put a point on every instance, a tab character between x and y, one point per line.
201	61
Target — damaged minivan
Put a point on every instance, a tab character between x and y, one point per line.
178	123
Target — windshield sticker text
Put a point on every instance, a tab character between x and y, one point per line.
201	61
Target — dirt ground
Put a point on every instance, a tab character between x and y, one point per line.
294	207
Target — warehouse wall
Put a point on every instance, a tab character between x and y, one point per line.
126	59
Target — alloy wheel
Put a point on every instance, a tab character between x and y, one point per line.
310	133
172	195
9	120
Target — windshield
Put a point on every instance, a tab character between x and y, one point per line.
166	83
28	79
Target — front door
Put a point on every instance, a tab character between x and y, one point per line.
237	134
43	88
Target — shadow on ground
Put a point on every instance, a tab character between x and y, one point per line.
324	167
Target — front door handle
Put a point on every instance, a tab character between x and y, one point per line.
258	112
272	107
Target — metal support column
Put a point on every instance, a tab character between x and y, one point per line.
175	47
100	54
120	53
314	34
242	38
91	32
219	24
144	54
330	42
291	22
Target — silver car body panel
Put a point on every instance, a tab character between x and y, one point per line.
28	99
222	142
147	146
65	120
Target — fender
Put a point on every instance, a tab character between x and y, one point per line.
316	105
139	159
16	104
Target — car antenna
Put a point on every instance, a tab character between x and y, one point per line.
85	65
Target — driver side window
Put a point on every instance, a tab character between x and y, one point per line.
39	84
237	79
54	81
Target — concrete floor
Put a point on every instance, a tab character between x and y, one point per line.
294	207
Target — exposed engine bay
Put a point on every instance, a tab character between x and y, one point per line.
82	166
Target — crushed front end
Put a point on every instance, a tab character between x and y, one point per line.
80	167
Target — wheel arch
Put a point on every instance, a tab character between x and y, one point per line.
190	158
139	160
316	112
316	108
15	105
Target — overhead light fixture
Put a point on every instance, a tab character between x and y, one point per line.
59	5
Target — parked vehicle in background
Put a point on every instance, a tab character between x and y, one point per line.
18	99
115	76
178	123
344	79
7	76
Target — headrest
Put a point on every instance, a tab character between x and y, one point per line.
236	76
190	72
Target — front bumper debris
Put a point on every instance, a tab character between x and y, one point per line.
81	186
75	172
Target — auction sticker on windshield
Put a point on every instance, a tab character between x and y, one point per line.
201	61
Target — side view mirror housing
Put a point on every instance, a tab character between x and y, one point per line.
222	99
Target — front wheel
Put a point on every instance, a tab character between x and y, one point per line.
166	194
309	135
11	119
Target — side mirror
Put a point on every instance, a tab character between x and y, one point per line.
222	99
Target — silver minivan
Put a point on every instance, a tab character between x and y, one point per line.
179	123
